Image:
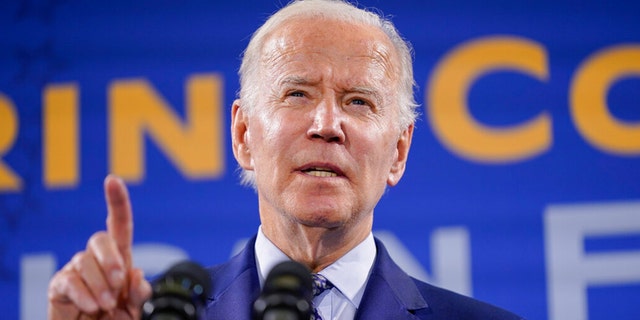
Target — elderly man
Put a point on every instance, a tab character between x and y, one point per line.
323	124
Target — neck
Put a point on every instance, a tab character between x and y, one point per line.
316	247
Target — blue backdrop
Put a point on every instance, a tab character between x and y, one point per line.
523	182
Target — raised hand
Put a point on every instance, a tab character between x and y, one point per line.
100	282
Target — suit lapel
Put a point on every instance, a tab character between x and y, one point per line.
390	292
235	287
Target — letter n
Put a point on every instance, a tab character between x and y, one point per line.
194	145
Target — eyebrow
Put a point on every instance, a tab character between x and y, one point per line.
297	80
365	90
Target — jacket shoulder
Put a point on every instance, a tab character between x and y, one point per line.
453	305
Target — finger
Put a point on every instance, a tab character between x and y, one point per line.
102	247
68	294
91	274
140	289
120	217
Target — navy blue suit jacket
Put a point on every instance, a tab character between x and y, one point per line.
390	293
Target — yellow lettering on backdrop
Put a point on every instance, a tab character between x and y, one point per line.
449	88
60	135
195	147
9	181
588	104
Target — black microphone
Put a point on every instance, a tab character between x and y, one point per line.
180	294
286	294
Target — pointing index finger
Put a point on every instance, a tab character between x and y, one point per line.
120	216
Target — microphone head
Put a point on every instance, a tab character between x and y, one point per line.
180	294
287	290
291	277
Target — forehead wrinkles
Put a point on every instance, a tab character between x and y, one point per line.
382	57
275	50
356	45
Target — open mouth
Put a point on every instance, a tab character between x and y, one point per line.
320	172
323	170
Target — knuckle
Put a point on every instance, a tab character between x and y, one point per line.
76	259
80	262
104	249
80	266
97	239
56	284
62	284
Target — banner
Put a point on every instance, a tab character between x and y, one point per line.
523	182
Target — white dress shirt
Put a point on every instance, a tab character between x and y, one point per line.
348	274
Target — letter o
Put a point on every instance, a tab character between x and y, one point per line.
588	100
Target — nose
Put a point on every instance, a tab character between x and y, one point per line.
327	122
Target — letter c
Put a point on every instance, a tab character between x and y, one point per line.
449	114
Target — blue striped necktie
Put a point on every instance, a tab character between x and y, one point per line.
320	284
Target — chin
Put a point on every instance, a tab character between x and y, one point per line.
322	218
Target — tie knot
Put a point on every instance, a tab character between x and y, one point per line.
320	284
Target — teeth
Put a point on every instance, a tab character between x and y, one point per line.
323	174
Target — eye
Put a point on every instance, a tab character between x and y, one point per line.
298	94
359	102
361	105
297	98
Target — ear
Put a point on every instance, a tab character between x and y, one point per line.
240	136
402	153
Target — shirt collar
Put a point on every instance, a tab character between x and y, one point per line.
267	256
349	273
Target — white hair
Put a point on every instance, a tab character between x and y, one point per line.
328	9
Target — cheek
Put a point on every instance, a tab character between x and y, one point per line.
273	125
261	129
381	153
269	135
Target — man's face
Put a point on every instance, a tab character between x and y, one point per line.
323	137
